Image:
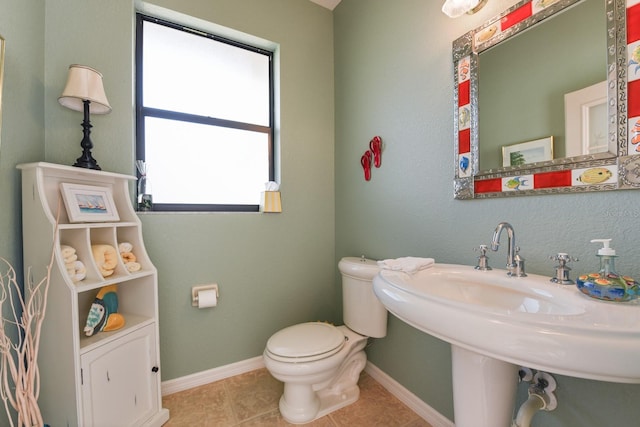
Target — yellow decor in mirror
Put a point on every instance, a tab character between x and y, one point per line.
614	164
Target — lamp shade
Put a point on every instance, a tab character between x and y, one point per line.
84	84
455	8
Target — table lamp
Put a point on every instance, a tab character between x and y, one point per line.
84	92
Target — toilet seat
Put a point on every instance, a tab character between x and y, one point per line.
305	342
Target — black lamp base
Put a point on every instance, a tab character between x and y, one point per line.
90	163
86	160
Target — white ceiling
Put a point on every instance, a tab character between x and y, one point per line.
329	4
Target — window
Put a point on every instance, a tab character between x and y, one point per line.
204	107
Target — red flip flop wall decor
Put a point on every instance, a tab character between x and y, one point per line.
375	145
365	160
373	156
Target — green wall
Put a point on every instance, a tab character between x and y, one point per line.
273	270
22	133
394	78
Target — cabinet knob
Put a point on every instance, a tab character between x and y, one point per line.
155	369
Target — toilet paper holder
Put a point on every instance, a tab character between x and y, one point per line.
196	289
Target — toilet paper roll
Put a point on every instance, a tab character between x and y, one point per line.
207	298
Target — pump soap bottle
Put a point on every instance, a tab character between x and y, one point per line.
607	284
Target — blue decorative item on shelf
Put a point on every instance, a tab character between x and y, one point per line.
103	315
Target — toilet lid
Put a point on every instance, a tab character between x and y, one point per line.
306	340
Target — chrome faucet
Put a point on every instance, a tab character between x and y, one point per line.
515	264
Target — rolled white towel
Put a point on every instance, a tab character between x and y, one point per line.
80	272
67	251
407	264
132	266
70	258
125	247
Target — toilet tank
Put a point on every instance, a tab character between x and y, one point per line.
362	311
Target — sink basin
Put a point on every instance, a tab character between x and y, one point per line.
485	291
497	323
525	321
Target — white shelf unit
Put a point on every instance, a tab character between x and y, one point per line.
111	378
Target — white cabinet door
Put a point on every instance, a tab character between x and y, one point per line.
120	382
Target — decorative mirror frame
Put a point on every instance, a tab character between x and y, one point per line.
597	172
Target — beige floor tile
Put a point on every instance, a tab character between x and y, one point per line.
251	400
253	393
207	405
274	419
376	407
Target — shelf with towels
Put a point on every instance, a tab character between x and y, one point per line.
102	314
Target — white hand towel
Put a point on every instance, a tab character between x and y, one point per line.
80	271
125	247
67	251
407	264
70	258
132	267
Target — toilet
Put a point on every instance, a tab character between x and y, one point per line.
319	363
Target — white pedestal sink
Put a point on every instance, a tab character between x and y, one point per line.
497	323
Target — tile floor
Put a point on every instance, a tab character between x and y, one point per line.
251	399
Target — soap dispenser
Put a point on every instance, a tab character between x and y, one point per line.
607	284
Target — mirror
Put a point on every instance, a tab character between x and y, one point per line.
554	117
523	100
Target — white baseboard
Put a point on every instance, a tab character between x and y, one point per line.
211	375
425	411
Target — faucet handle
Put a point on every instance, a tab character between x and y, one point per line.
483	259
518	264
482	248
562	271
563	258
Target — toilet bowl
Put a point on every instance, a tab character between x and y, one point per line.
319	363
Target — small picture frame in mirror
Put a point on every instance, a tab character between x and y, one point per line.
523	153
